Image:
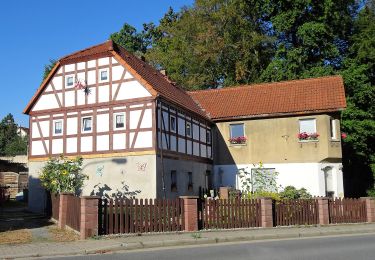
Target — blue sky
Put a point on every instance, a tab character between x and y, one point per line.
32	32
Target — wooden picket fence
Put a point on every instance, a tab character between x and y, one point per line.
347	211
55	204
296	212
73	218
230	213
118	216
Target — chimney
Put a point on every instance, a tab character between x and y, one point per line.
143	58
164	72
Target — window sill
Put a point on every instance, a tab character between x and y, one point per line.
237	145
308	141
335	140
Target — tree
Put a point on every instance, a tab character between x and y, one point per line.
48	67
358	118
11	143
214	43
312	37
130	39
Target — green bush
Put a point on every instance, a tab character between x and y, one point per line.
63	175
262	194
290	192
371	192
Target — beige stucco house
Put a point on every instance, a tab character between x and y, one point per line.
141	135
292	127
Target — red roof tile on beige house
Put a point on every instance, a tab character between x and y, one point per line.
325	94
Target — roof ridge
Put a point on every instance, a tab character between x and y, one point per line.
86	49
229	88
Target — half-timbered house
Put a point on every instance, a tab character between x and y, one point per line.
117	112
142	135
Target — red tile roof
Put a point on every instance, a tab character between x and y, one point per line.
270	99
160	82
157	81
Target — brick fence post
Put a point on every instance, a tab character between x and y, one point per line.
323	210
63	208
370	208
89	216
266	212
190	212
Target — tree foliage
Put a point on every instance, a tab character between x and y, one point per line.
48	67
216	43
11	143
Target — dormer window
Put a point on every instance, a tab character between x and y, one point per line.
104	75
69	81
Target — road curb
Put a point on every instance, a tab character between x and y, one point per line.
192	241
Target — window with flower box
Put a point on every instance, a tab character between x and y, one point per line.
237	134
307	130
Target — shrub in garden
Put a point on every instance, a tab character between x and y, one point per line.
63	175
290	192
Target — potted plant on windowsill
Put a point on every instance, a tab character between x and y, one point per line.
308	136
238	140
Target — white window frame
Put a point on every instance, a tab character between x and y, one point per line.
100	75
333	128
54	127
83	126
67	81
307	119
230	129
115	122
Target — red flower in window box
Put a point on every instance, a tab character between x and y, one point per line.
308	136
238	140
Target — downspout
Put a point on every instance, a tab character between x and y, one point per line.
160	144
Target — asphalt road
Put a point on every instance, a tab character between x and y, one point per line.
327	248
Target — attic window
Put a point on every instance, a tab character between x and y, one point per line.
69	81
104	75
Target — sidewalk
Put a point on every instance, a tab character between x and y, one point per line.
128	242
